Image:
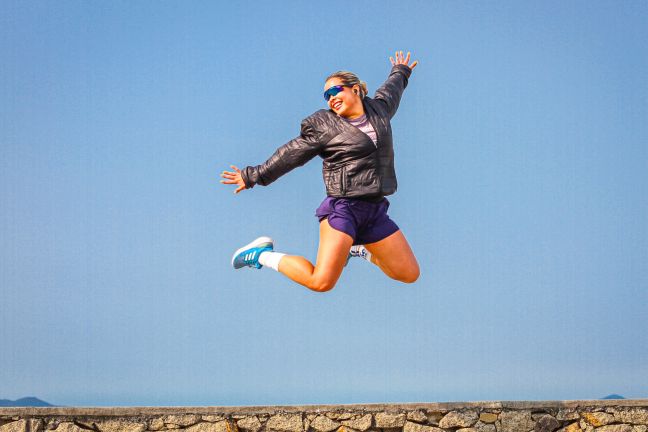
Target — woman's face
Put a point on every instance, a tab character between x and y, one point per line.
345	103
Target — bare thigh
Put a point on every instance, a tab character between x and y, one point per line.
395	258
333	250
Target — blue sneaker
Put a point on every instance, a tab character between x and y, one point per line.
248	255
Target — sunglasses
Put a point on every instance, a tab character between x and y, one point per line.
333	91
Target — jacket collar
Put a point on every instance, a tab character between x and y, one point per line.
371	116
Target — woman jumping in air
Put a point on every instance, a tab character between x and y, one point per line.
354	139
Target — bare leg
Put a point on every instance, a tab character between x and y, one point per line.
395	258
332	253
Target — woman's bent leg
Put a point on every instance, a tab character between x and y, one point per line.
332	254
395	258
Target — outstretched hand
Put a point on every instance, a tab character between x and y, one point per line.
403	60
233	177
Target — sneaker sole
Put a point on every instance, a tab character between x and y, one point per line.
261	241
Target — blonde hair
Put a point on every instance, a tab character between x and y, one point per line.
350	79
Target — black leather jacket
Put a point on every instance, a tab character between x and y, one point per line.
352	166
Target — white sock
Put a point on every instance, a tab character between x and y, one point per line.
361	251
271	259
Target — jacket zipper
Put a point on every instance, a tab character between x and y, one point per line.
377	151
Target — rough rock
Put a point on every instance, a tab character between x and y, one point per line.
16	426
597	418
181	420
220	426
390	420
546	423
571	416
156	424
361	424
417	416
52	423
251	424
616	428
485	427
574	427
585	427
337	415
515	421
285	423
68	427
488	417
567	414
36	425
120	426
458	419
415	427
633	416
324	424
434	417
16	423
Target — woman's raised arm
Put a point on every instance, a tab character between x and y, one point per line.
391	91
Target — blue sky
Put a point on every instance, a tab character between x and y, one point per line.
521	153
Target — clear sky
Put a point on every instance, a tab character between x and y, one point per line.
522	158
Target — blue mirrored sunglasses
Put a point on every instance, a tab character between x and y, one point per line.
333	91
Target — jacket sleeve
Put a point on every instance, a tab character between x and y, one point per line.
289	156
391	91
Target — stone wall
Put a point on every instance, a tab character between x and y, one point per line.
569	416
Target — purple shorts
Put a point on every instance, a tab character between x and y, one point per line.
366	222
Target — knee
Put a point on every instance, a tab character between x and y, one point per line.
410	276
322	285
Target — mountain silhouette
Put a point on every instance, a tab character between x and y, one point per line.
24	402
613	396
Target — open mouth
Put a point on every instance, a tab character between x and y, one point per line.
337	105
